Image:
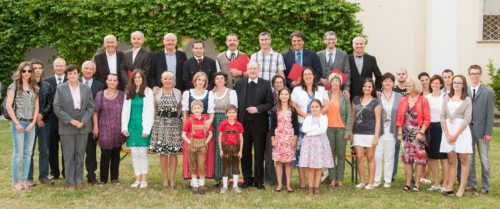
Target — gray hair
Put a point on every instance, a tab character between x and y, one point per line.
329	33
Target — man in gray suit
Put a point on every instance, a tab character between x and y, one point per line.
74	106
481	127
331	58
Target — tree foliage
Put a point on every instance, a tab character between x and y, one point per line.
76	27
494	74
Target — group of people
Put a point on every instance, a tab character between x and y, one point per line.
217	117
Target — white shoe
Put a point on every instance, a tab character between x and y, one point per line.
387	185
434	188
369	187
425	181
143	184
377	184
360	185
135	184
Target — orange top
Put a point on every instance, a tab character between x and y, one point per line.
334	119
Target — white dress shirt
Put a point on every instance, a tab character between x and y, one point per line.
112	63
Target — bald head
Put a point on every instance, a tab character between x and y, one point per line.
137	39
402	75
253	70
59	66
170	42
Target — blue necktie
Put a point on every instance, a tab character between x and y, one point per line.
298	58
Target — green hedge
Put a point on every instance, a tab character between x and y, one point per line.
76	27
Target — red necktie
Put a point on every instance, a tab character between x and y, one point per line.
200	61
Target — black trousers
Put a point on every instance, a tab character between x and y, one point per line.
110	162
90	157
255	138
54	141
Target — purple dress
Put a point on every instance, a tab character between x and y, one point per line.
109	114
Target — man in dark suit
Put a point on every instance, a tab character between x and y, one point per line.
110	61
88	70
138	57
197	63
363	66
59	78
301	56
483	113
331	58
254	100
168	59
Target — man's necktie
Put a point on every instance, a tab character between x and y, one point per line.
298	58
330	59
59	81
200	61
232	56
87	83
473	93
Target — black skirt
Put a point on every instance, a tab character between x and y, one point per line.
435	143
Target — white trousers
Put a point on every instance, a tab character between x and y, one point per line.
139	160
385	150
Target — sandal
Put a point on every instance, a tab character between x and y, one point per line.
406	188
17	188
416	189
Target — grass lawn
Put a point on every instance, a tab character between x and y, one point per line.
155	196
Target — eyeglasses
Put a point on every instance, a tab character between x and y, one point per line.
458	83
474	74
26	71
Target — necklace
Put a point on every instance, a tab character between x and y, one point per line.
109	95
387	98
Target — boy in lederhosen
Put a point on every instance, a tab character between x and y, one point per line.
231	143
197	138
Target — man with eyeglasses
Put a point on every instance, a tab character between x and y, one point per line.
482	129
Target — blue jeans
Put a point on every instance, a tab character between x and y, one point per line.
22	146
42	134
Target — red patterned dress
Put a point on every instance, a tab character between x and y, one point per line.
413	150
283	151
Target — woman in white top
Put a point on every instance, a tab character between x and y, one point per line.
199	92
456	115
389	101
223	97
436	132
137	122
302	95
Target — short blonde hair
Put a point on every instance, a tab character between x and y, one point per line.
197	75
197	103
416	85
168	74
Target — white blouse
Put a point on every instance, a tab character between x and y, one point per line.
312	127
301	97
435	103
148	113
185	100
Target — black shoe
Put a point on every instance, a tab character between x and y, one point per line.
247	184
260	186
47	181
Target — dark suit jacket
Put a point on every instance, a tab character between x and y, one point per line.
263	98
53	85
370	69
96	86
191	67
309	59
102	68
159	65
341	62
142	60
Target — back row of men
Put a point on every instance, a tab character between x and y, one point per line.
356	66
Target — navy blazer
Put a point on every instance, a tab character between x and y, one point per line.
159	65
309	59
191	67
53	85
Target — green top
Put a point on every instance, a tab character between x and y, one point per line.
135	124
